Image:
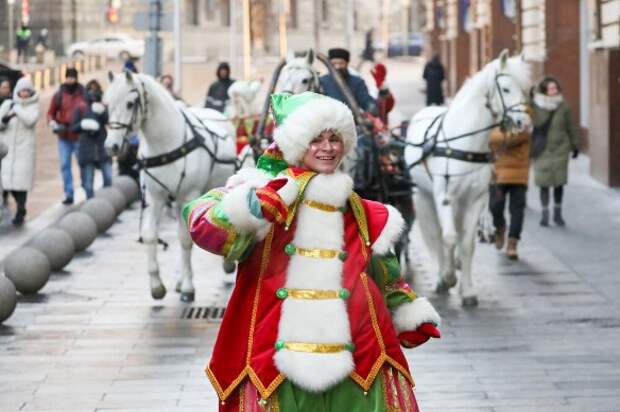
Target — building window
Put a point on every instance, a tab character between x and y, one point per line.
193	12
225	9
210	8
325	10
292	14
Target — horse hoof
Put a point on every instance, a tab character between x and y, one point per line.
442	287
159	292
229	266
177	287
187	296
470	302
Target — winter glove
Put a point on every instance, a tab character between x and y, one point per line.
7	118
411	339
90	125
275	197
97	107
56	127
575	153
379	72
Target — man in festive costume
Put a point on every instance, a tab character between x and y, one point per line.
319	309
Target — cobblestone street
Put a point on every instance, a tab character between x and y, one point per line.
544	338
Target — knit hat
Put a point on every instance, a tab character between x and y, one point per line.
339	53
71	72
24	83
302	117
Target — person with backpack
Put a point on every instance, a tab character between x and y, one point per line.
64	104
89	120
18	118
554	138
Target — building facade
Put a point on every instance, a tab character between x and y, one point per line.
576	41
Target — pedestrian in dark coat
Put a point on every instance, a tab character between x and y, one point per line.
217	96
89	120
339	58
434	74
551	166
64	103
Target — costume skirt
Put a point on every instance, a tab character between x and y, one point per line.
390	392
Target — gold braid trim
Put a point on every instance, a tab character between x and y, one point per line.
313	294
321	206
317	253
315	347
302	181
360	217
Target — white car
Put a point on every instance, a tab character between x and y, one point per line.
109	45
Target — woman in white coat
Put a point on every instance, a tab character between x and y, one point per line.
18	118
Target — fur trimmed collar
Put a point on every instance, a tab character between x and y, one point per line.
548	102
333	189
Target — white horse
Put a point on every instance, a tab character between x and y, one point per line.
453	179
298	75
137	102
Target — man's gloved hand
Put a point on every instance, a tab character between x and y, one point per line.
275	197
411	339
379	72
575	153
55	127
90	125
7	118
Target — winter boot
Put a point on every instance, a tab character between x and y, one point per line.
500	237
511	250
557	216
544	221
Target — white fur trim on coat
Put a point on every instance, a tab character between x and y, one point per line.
317	321
391	232
89	124
304	124
97	107
548	102
409	316
235	205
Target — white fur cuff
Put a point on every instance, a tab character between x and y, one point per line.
97	107
409	316
289	191
235	206
391	232
89	124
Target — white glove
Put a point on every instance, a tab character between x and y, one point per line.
97	107
53	125
90	125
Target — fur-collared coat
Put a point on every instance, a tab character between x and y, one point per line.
18	135
551	167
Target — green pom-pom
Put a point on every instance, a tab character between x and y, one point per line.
350	346
344	293
290	249
282	293
343	256
280	344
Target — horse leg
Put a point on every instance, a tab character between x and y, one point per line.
467	246
185	285
447	275
150	237
426	218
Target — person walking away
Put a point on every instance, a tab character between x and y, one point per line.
334	310
512	163
23	36
89	121
167	81
434	75
339	59
217	96
64	103
551	112
18	118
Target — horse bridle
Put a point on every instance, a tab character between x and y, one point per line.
314	80
506	110
139	107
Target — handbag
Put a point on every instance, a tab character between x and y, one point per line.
539	137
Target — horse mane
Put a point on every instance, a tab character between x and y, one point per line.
151	85
477	85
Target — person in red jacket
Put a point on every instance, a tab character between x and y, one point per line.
64	103
320	310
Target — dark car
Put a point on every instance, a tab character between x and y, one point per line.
6	72
412	45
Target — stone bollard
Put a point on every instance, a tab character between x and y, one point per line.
81	227
8	298
57	245
28	269
115	196
101	211
128	186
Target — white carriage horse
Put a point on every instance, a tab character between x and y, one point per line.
183	153
449	152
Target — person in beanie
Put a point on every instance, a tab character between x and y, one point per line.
59	116
434	75
89	120
23	36
512	166
339	58
18	118
320	310
217	96
562	139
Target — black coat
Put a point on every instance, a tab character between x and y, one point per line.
356	85
217	96
91	143
434	75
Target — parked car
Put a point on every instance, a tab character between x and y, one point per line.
7	72
398	45
109	45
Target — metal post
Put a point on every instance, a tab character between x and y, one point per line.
10	4
385	18
152	52
349	24
247	64
178	75
315	24
282	27
232	41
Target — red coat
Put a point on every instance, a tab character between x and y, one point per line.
245	344
62	108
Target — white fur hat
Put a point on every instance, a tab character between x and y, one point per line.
302	117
